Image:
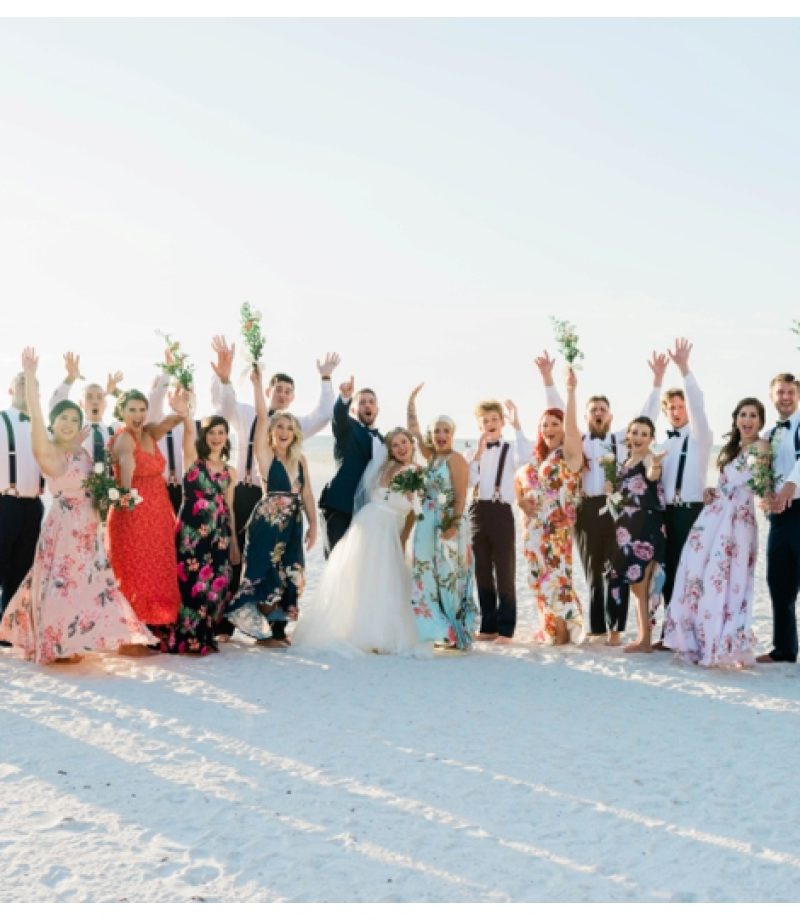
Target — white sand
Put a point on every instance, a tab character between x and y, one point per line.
507	775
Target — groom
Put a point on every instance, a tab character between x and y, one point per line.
353	438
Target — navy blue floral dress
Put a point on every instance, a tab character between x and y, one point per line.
641	534
273	567
204	567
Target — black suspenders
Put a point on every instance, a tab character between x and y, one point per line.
248	468
12	459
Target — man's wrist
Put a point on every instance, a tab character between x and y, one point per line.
325	377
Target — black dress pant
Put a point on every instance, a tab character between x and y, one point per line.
679	520
175	492
596	537
783	580
493	543
20	523
336	524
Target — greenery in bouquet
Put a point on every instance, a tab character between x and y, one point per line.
106	493
176	363
251	333
567	340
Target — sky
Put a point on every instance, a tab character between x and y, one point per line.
418	195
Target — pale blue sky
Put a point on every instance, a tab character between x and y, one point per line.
418	195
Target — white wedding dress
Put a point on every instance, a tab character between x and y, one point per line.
364	598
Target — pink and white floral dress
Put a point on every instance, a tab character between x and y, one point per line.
708	621
70	601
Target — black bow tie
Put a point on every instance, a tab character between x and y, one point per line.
597	437
674	433
490	444
24	417
786	424
375	433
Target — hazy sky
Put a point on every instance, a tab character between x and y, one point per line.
416	194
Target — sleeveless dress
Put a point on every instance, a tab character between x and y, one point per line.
363	602
142	544
70	602
441	579
553	487
709	620
204	567
273	565
641	535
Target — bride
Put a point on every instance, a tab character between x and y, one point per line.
364	598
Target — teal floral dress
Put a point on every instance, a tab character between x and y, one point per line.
204	567
441	586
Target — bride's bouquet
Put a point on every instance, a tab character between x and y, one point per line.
176	363
106	493
410	481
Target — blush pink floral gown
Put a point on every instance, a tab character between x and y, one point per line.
709	618
70	602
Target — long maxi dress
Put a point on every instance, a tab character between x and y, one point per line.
70	601
553	487
709	619
441	577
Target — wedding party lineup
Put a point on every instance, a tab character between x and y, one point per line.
165	532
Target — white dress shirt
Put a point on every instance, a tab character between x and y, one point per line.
107	429
594	480
784	443
155	414
696	434
240	417
28	474
483	472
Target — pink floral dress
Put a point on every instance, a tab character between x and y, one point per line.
708	621
70	602
553	488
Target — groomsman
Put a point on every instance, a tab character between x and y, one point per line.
171	445
685	466
93	404
595	532
20	486
783	542
355	440
242	419
492	466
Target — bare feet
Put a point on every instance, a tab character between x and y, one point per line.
486	637
613	638
71	659
638	647
503	640
136	651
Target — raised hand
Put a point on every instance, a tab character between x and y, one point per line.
72	365
113	382
30	361
683	349
415	392
545	364
180	401
512	414
329	365
255	376
658	365
572	380
346	388
225	354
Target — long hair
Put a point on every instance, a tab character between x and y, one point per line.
639	420
389	437
295	450
126	397
734	438
542	450
201	445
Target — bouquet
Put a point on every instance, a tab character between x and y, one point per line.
106	493
251	333
763	480
567	340
446	499
176	363
410	480
614	499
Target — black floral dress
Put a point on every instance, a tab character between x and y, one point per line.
204	567
641	534
273	567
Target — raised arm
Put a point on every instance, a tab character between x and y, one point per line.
156	398
320	415
342	421
179	403
524	446
412	423
189	437
573	444
545	364
72	368
223	394
695	404
261	446
658	365
123	453
50	459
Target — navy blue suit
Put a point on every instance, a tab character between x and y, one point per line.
352	451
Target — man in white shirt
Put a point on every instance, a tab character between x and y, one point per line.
171	445
20	486
685	466
595	532
93	404
783	542
492	466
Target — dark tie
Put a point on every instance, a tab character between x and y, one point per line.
673	433
490	444
24	417
98	447
786	424
597	437
375	433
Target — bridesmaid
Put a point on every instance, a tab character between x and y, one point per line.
547	492
441	586
709	620
206	540
69	602
142	541
273	566
641	533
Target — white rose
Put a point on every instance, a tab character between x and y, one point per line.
608	458
751	460
442	499
99	467
616	497
113	494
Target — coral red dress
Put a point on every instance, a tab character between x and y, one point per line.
142	543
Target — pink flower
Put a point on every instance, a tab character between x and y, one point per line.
200	505
206	573
182	572
219	583
193	473
636	485
642	550
199	588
